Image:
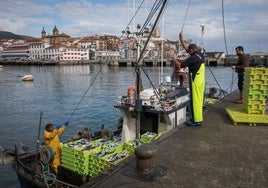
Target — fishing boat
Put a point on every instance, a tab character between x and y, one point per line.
147	114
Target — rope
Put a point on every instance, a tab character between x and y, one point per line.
86	92
225	41
215	79
185	16
223	24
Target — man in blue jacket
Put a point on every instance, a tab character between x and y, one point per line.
196	67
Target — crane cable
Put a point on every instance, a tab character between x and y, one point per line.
225	41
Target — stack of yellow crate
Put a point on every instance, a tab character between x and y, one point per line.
255	89
255	95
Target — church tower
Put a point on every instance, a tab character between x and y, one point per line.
43	33
55	30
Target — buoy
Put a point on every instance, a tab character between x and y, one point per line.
27	77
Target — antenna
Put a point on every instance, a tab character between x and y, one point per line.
202	38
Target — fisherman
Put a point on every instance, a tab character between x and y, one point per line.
51	139
196	67
179	74
239	69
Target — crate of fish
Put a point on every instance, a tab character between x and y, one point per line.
148	137
95	161
117	156
132	144
81	167
97	166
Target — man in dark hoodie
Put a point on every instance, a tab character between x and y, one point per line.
239	69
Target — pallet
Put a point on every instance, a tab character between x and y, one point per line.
239	115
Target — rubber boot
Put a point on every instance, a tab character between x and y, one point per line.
240	99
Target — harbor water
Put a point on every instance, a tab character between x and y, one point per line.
83	94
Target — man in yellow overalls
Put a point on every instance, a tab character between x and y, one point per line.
51	139
196	66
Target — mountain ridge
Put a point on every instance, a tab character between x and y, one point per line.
10	35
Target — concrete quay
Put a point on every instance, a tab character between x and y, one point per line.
214	155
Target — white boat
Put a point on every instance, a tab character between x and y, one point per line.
157	110
27	77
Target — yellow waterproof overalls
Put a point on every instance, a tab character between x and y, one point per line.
51	139
197	87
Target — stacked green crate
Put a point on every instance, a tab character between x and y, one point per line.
255	90
148	137
119	154
92	158
75	155
97	163
255	95
132	144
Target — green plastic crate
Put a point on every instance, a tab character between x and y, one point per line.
251	70
241	116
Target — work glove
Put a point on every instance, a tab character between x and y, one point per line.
59	125
67	123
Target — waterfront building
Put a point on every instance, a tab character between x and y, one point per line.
55	38
73	54
37	50
16	51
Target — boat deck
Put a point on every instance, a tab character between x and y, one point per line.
217	154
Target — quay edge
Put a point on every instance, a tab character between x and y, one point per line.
217	154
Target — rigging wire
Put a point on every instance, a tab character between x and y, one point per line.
133	16
151	14
225	41
226	48
184	20
185	16
91	83
164	4
150	34
140	58
223	24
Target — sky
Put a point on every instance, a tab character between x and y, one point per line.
244	22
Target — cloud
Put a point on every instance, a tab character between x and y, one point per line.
246	21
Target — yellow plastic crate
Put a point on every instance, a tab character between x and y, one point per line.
241	116
249	70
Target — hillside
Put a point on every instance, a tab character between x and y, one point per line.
9	35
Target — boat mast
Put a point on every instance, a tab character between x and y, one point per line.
138	103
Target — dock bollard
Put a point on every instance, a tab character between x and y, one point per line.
144	154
